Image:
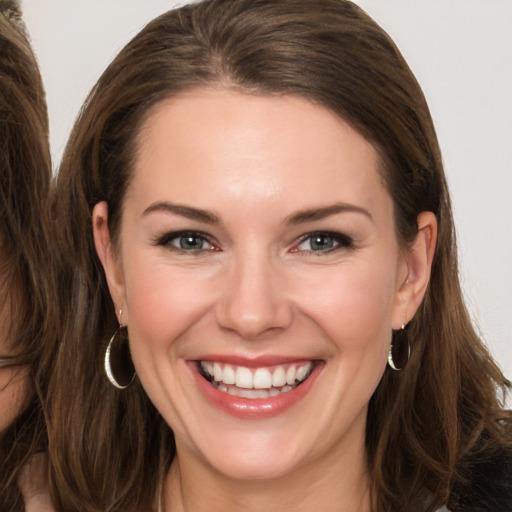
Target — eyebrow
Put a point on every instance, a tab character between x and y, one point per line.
183	211
314	214
303	216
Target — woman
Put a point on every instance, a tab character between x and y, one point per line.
261	184
25	270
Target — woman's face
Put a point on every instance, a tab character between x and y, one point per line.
260	278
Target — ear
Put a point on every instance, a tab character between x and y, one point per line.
109	258
416	265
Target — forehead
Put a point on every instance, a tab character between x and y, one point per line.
249	149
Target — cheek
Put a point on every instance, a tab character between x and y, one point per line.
354	312
163	302
353	304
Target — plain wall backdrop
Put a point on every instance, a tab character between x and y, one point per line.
461	53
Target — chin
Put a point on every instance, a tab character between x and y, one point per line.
250	466
257	454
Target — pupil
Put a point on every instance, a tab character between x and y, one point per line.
321	242
190	242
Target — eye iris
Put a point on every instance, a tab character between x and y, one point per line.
191	242
321	242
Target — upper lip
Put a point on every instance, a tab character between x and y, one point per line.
254	362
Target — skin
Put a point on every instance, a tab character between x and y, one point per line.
256	288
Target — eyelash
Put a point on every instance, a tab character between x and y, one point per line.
342	242
166	240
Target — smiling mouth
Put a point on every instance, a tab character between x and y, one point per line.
255	383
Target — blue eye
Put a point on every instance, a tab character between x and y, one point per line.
188	241
323	242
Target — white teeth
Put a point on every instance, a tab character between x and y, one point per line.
301	373
243	378
267	379
217	372
253	393
208	367
279	377
290	376
228	375
262	379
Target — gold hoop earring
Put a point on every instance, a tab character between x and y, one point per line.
400	350
118	362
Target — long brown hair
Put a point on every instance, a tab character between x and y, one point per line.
427	426
26	279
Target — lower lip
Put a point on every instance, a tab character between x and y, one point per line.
255	408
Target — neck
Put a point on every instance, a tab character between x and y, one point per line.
337	485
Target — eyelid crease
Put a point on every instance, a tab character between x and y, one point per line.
332	234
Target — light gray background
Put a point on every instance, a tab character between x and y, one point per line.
461	53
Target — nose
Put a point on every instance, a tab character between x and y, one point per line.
254	303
